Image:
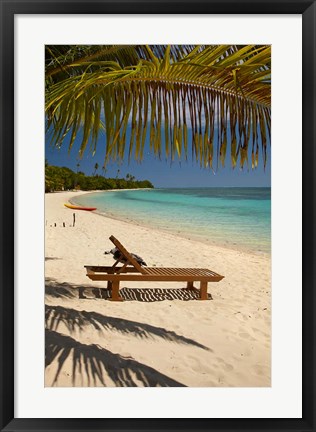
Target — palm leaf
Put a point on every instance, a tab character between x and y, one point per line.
221	93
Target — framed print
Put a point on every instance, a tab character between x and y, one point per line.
157	201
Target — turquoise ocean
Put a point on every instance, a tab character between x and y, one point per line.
238	218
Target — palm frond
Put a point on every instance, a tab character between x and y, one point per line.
217	96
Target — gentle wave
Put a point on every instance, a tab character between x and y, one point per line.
232	217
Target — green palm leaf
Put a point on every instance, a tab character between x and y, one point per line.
219	96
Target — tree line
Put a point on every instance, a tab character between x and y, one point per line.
63	178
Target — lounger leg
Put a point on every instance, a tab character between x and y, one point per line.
116	291
190	287
203	290
109	285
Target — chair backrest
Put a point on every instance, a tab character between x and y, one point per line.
127	255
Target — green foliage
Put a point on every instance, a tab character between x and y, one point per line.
218	97
62	178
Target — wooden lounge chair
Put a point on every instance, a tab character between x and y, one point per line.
133	271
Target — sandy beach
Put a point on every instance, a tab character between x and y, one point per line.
158	337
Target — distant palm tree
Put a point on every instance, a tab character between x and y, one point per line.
77	175
218	97
96	167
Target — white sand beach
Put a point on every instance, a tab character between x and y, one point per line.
146	341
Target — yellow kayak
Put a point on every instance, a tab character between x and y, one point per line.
73	207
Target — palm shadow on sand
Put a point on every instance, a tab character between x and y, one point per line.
94	363
66	290
76	321
61	289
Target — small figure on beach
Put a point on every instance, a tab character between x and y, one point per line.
118	257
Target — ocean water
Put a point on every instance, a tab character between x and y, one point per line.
234	217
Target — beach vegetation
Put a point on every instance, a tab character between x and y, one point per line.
63	178
211	101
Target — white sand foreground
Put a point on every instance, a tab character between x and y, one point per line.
90	341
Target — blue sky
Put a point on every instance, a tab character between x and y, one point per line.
161	172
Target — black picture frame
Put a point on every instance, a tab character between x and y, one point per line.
7	271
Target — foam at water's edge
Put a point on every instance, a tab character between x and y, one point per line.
237	218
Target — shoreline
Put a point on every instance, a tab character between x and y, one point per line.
188	236
155	337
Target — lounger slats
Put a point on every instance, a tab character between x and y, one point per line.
152	270
133	271
152	277
108	269
155	271
127	255
165	271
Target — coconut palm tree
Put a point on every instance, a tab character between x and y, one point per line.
96	167
209	97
